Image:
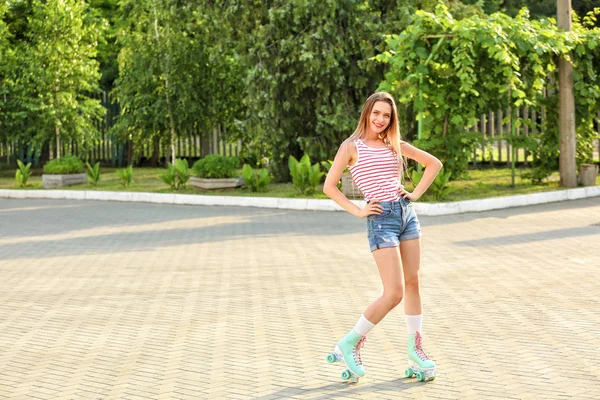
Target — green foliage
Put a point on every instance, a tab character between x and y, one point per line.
125	175
256	181
439	188
93	173
327	165
105	14
23	173
176	176
305	176
178	73
309	72
216	166
53	74
453	71
63	165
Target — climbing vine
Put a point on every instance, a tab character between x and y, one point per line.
455	70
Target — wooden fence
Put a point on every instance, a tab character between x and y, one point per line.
118	153
109	151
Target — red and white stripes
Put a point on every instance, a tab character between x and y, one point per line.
376	172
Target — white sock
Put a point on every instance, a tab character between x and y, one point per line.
363	326
414	323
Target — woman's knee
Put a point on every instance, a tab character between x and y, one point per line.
394	296
412	283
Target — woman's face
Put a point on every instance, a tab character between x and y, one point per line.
381	114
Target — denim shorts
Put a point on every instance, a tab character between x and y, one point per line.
396	223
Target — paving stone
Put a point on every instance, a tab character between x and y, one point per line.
102	300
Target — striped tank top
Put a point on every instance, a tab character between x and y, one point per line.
375	172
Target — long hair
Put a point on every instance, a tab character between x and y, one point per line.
391	135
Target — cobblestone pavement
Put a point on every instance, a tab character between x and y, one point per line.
106	300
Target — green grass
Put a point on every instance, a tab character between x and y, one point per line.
495	183
479	184
148	180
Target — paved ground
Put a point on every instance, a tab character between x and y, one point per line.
128	301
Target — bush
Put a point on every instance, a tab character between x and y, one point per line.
126	175
439	188
327	165
93	173
215	166
64	165
305	176
176	175
23	173
256	181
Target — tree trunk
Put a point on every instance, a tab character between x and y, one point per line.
566	119
56	128
166	71
155	148
57	131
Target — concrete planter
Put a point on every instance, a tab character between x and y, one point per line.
588	174
205	183
349	188
56	181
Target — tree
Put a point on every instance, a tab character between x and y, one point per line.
454	71
310	73
56	73
105	14
178	73
6	55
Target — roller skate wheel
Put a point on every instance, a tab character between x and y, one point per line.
421	376
331	358
408	373
346	374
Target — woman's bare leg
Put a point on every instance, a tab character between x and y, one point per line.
390	270
410	251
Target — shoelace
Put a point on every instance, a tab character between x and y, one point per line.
419	349
357	348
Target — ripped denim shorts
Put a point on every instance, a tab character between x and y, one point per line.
396	223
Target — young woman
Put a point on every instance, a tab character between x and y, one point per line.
374	155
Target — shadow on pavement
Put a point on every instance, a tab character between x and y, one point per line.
510	212
23	219
336	390
532	237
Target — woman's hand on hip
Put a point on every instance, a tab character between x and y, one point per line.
373	208
406	194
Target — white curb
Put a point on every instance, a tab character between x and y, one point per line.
457	207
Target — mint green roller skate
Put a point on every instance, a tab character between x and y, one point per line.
419	363
347	351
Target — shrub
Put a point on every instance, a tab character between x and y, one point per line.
256	181
216	166
305	176
93	173
176	175
64	165
327	165
23	173
126	175
439	188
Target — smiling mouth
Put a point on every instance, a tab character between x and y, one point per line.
377	125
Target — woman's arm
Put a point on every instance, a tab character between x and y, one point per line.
343	157
432	167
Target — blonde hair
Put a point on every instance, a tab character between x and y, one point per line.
391	135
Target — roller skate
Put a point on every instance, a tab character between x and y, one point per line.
419	363
347	351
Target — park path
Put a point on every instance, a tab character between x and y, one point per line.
102	300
